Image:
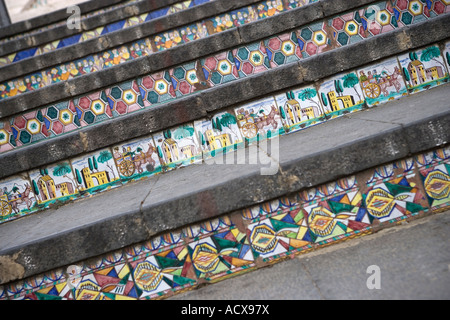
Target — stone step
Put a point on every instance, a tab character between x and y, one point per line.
138	211
205	103
110	19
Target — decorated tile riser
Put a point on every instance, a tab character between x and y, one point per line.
278	50
226	131
348	92
256	237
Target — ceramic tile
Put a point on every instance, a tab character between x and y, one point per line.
95	172
335	216
93	108
342	30
382	82
220	134
267	208
191	33
434	170
300	108
156	244
196	232
390	171
224	253
124	98
16	198
188	78
244	15
136	159
178	147
156	88
49	286
279	234
162	273
395	199
219	69
29	127
251	59
7	136
54	183
3	295
113	282
423	69
62	118
283	49
341	94
259	120
446	55
166	40
313	39
269	8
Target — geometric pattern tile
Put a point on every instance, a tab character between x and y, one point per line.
220	68
283	49
251	59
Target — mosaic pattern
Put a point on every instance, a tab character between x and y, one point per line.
370	86
140	48
280	229
225	131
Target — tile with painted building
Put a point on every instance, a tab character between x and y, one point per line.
423	69
341	94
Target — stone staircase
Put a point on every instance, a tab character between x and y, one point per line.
169	144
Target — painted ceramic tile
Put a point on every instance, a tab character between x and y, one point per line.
382	82
395	199
413	11
336	216
220	255
136	159
30	127
220	134
251	59
112	281
314	39
163	272
95	172
124	98
3	295
259	120
434	169
269	8
222	22
258	211
16	198
446	55
391	170
49	286
156	88
192	32
112	58
166	40
423	69
93	108
155	245
55	183
61	118
188	78
279	234
243	16
283	49
300	109
195	232
140	48
7	136
219	69
178	147
341	94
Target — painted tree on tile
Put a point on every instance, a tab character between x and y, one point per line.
350	81
431	53
104	157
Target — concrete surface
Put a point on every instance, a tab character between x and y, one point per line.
413	260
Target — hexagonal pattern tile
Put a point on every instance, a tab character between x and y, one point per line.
283	49
93	108
28	128
125	98
188	78
251	59
156	88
